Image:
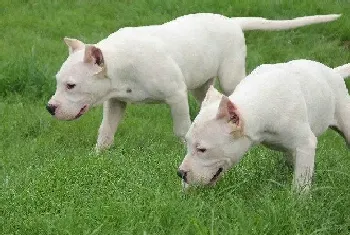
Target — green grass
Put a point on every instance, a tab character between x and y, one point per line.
52	183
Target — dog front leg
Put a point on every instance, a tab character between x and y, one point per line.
304	158
113	111
180	114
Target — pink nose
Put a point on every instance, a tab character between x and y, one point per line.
51	109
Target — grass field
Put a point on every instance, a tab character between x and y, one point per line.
52	183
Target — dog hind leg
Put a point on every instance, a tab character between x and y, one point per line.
232	70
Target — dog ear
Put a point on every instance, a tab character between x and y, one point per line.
229	112
73	44
211	96
93	55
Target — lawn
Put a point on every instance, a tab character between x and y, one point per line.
51	182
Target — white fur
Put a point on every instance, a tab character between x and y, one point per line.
158	63
285	106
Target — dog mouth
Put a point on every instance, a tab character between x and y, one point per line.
216	176
82	111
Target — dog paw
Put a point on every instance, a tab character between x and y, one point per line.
93	153
301	190
103	143
100	148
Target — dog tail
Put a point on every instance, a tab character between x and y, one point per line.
259	23
343	70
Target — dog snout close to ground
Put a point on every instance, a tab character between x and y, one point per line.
227	127
51	109
182	174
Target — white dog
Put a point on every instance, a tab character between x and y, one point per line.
284	106
157	63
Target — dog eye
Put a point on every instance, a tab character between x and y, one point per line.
70	86
202	150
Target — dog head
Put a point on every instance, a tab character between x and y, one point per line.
215	141
81	82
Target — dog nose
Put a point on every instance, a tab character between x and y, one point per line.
182	174
51	109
